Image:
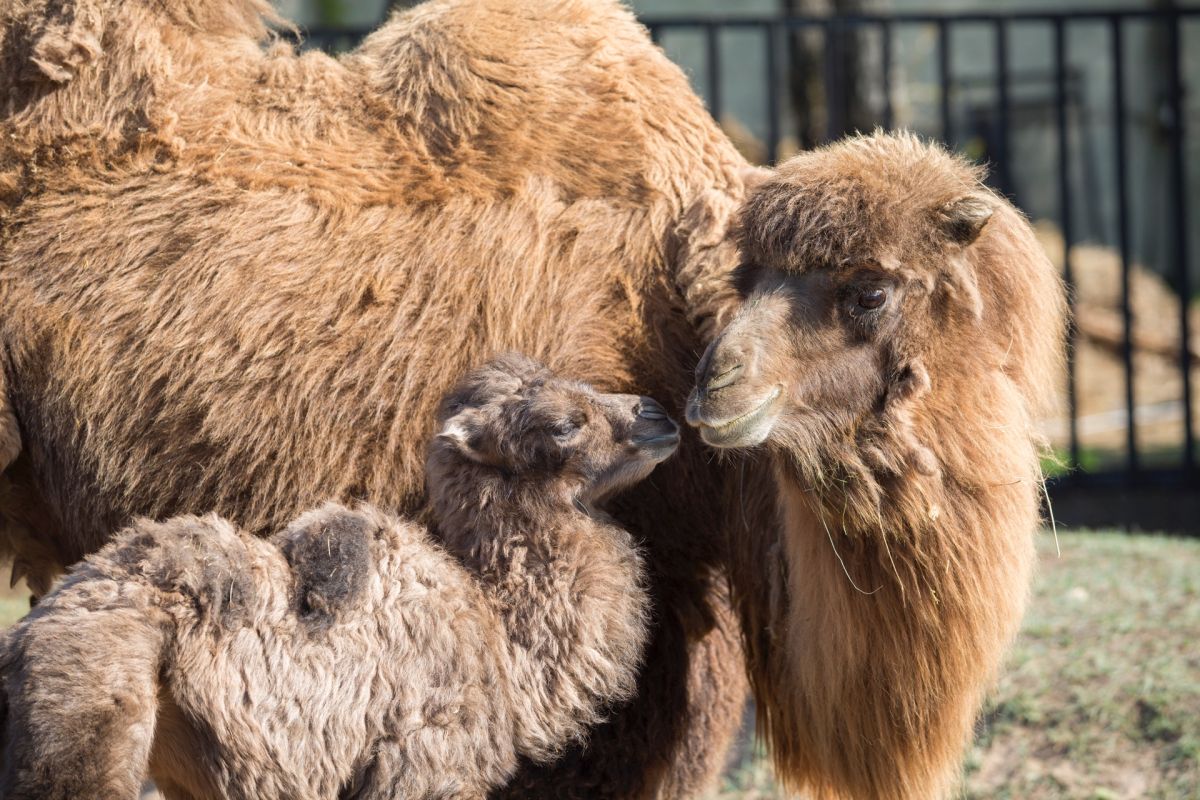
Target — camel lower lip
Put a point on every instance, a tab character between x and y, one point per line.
656	441
743	430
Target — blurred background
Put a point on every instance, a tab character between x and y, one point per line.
1087	114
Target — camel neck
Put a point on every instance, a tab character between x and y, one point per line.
910	600
567	588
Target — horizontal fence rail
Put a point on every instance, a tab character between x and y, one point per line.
1072	107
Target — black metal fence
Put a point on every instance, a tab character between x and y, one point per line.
1066	102
774	34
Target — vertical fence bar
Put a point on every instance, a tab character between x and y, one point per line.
772	72
1179	224
833	82
712	43
943	52
1003	170
885	31
1064	200
655	34
1118	67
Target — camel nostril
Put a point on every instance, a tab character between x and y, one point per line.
648	408
724	378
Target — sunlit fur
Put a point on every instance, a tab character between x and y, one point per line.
238	280
877	620
349	656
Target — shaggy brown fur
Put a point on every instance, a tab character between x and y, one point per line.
238	281
349	656
901	327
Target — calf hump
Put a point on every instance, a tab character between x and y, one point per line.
330	557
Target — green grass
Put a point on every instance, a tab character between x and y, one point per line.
1101	696
12	607
1096	459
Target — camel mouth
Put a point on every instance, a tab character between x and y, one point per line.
655	434
745	430
658	446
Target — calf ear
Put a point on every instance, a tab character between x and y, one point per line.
64	41
963	219
911	382
465	433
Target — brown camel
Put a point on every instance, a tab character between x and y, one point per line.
238	280
900	329
349	656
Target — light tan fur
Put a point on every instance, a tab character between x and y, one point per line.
349	656
237	280
900	331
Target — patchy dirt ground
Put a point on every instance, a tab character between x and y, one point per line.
1101	696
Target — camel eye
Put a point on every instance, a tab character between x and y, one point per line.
564	430
872	298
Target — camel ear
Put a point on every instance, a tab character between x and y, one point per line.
754	177
66	41
912	381
465	433
520	368
963	219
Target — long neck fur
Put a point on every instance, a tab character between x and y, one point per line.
896	611
904	581
567	585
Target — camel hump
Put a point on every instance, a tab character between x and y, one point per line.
204	561
465	17
58	38
329	551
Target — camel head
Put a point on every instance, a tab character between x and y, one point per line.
870	301
898	329
515	420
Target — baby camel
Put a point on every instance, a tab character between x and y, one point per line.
349	656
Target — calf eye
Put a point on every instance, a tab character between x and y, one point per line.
564	430
872	298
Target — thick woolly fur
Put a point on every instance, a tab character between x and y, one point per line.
237	280
349	656
908	326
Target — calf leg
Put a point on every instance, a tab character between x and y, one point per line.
80	678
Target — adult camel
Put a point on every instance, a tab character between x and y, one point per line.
236	279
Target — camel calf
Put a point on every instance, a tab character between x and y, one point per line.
348	656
